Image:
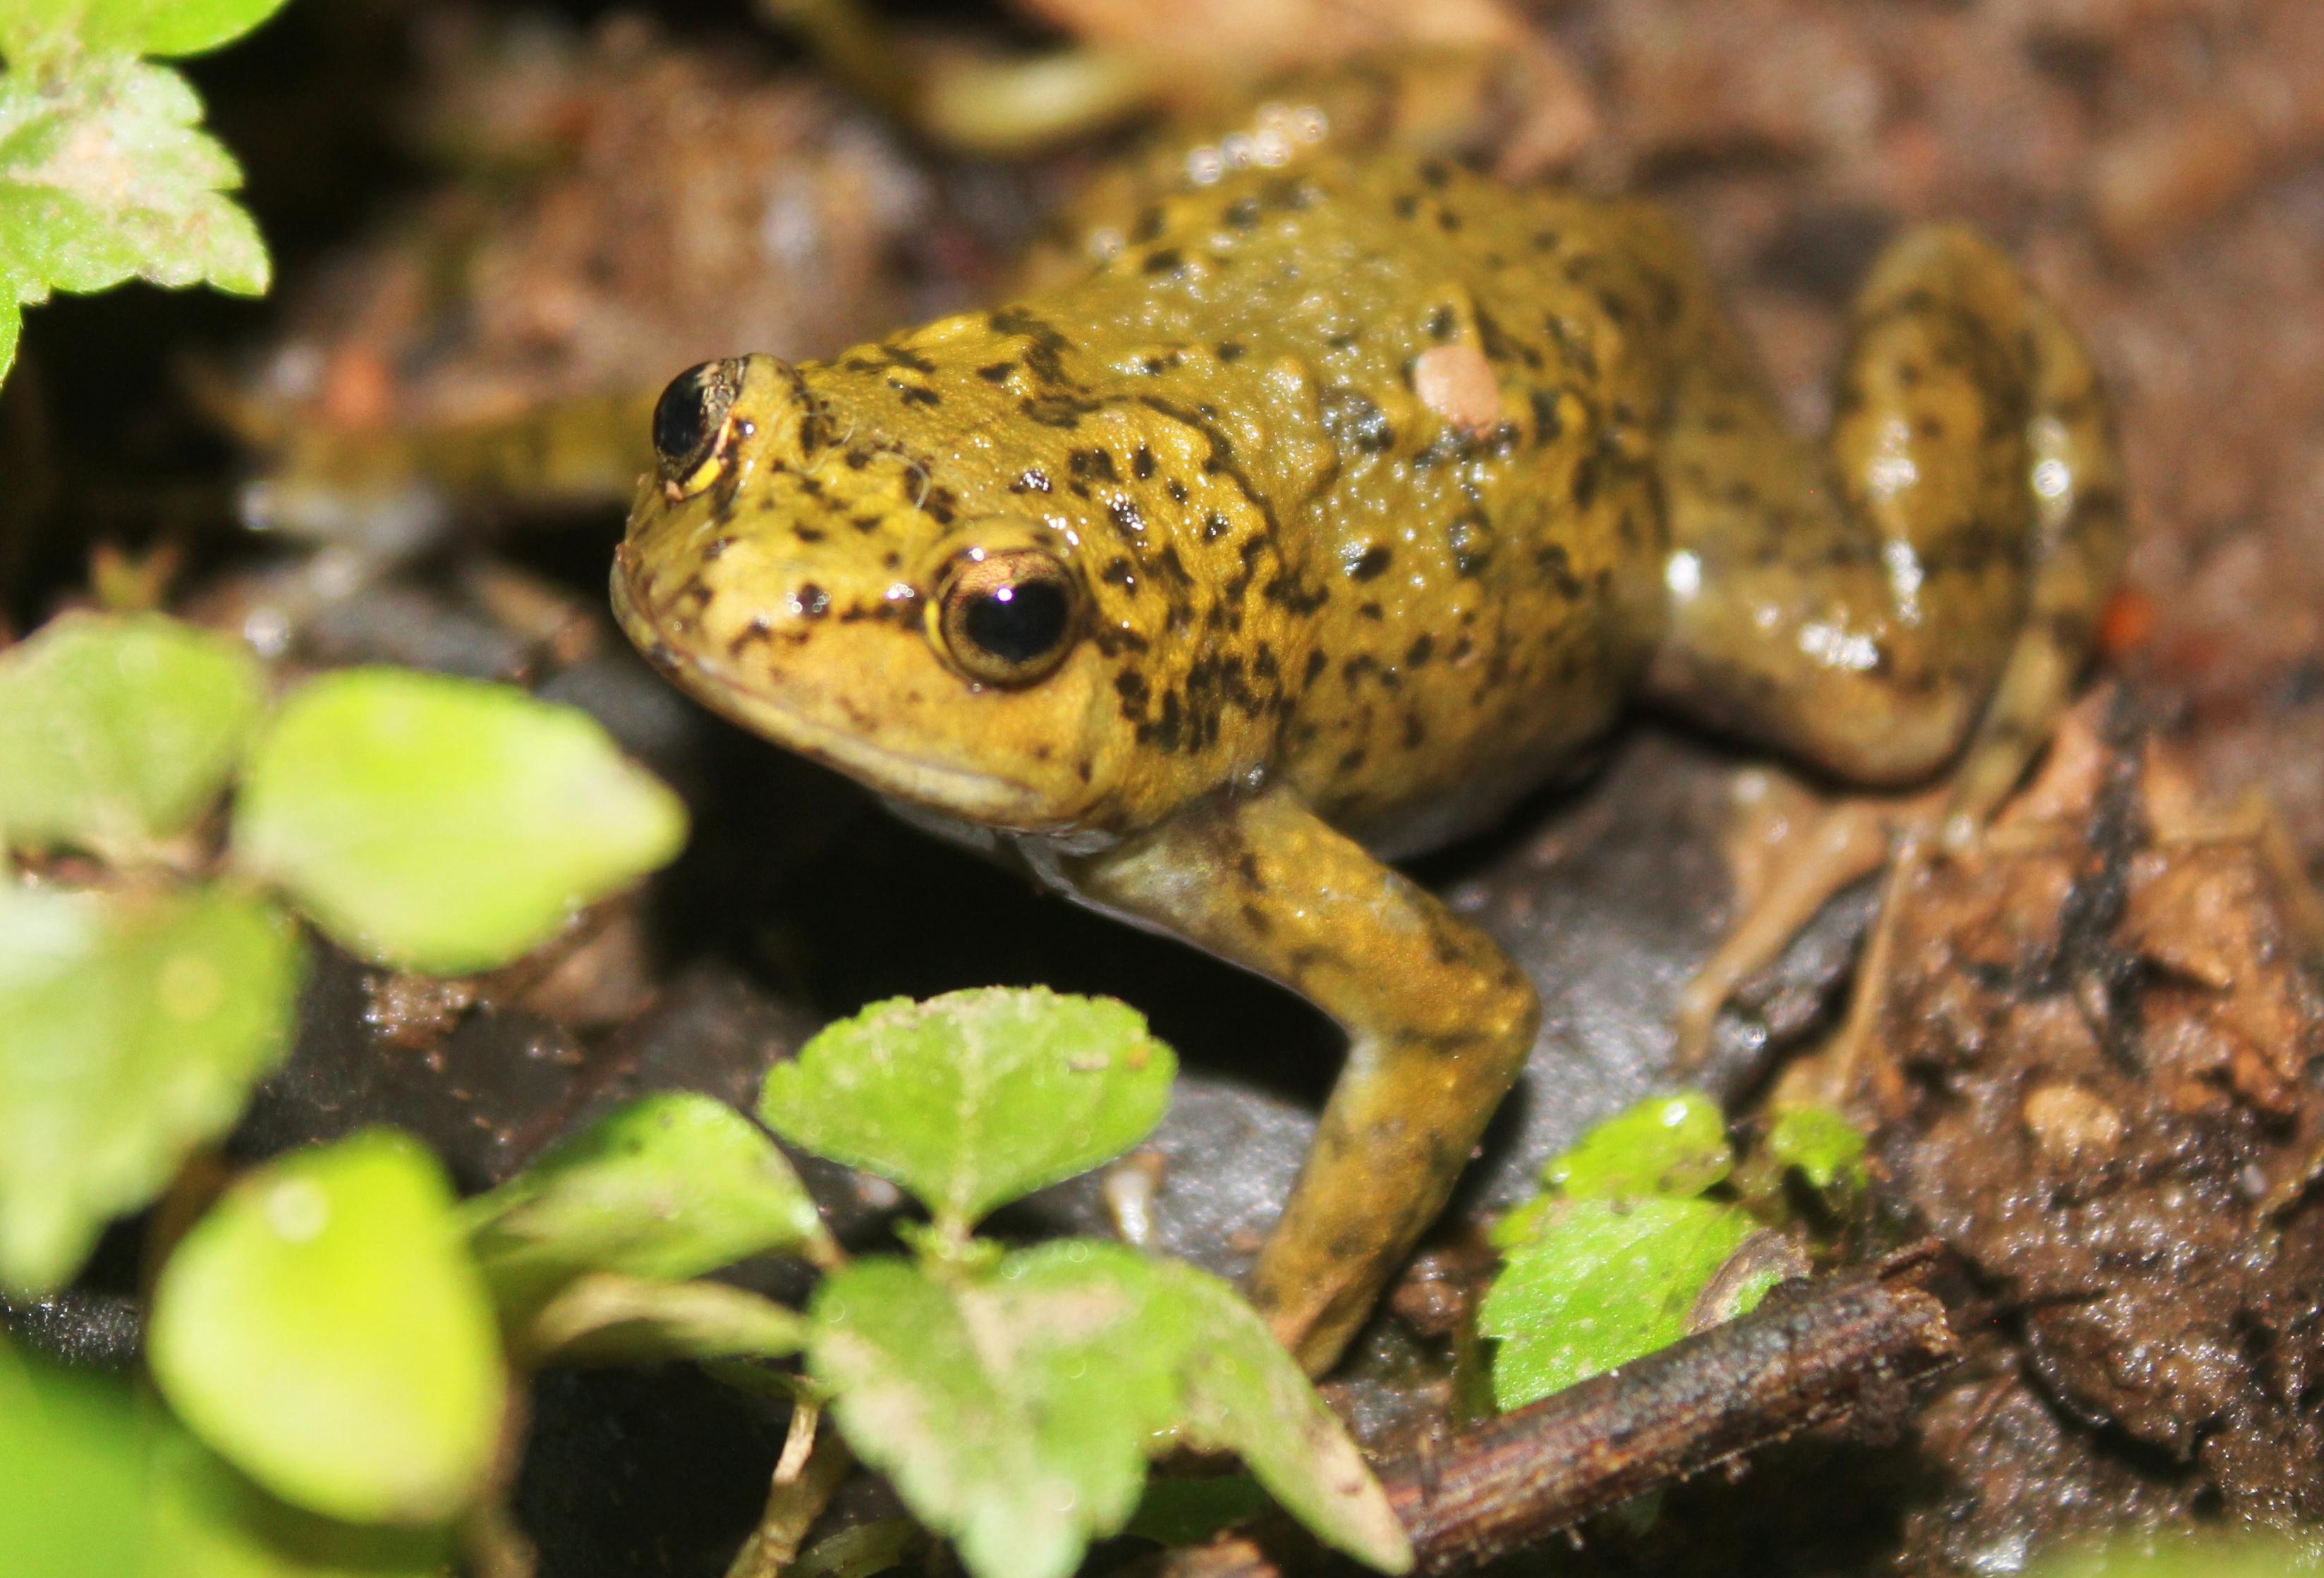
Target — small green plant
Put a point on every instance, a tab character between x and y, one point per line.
1646	1218
337	1339
148	969
105	173
1014	1397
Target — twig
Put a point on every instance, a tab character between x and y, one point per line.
1848	1346
794	1500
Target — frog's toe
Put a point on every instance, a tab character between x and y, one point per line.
1823	852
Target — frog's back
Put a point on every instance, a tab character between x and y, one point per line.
1352	462
1447	387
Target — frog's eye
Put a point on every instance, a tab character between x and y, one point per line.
691	427
1006	617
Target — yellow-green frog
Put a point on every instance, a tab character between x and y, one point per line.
1343	504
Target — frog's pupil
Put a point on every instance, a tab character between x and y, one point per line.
685	419
1018	623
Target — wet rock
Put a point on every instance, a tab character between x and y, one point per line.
484	1099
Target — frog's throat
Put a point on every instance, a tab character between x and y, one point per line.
983	798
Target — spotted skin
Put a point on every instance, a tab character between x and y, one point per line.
1324	622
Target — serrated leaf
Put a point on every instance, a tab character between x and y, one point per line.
669	1187
603	1319
444	825
211	1522
1825	1147
1600	1283
973	1098
116	730
72	1473
136	27
105	178
132	1027
324	1330
1673	1145
1245	1394
1015	1411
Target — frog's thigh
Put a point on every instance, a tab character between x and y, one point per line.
1945	564
1439	1022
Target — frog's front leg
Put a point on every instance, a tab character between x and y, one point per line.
1439	1022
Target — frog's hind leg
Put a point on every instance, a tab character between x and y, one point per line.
1934	579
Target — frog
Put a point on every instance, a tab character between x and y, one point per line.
1343	499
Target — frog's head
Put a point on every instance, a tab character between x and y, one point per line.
817	585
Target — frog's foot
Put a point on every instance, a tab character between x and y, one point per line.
1791	853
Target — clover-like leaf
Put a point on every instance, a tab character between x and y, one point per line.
137	27
669	1187
1014	1412
1599	1282
973	1098
116	731
444	825
105	175
325	1331
132	1026
72	1473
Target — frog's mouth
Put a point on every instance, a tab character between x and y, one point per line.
981	797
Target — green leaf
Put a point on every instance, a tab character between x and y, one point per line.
1014	1412
105	178
325	1331
603	1319
1600	1282
973	1098
118	730
2206	1553
1823	1145
1185	1512
444	825
1245	1395
211	1522
1665	1145
132	1026
12	323
137	27
669	1187
72	1473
